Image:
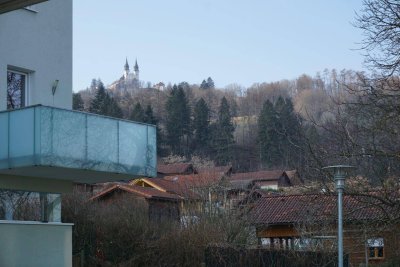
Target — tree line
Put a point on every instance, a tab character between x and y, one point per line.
190	127
332	117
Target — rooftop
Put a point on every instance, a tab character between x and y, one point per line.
146	192
292	209
176	168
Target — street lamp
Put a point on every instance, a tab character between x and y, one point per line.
339	174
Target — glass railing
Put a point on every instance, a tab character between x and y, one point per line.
47	136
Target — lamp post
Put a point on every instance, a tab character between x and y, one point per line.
339	174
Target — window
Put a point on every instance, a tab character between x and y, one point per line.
16	89
375	248
30	206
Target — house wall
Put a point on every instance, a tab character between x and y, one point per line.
354	237
34	244
160	210
278	231
157	210
40	44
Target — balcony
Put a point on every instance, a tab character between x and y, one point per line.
10	5
47	142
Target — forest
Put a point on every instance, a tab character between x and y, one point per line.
347	117
266	126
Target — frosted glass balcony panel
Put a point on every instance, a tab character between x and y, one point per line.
21	138
3	138
102	142
69	145
151	150
67	136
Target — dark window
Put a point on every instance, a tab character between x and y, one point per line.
16	89
375	248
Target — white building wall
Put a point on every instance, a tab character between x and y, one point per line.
35	244
39	43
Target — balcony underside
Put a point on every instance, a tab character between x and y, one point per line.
10	5
66	174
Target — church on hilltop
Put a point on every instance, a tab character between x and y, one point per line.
129	80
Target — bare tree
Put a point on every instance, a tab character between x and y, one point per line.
380	22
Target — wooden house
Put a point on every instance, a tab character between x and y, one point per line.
203	192
308	222
244	184
159	205
265	179
174	169
223	170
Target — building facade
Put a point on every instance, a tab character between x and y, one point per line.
128	81
308	222
45	147
36	56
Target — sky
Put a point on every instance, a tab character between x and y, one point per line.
232	41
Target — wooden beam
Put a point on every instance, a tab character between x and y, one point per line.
10	5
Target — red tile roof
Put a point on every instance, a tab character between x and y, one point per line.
177	168
294	177
146	192
183	185
170	187
291	209
196	180
260	175
219	169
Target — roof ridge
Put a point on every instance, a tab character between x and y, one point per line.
297	194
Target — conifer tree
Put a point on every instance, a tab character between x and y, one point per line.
178	121
201	126
289	131
223	139
137	113
210	83
151	119
77	102
98	103
112	108
279	134
93	85
103	104
204	85
267	135
149	116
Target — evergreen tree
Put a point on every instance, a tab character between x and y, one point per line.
149	116
204	85
103	104
210	83
201	126
268	138
223	139
178	121
93	85
151	119
112	108
279	134
77	102
137	113
98	103
185	86
289	131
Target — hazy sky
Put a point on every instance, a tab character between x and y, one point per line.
230	40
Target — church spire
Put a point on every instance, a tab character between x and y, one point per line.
136	68
126	67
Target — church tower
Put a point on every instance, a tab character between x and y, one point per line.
136	70
126	69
